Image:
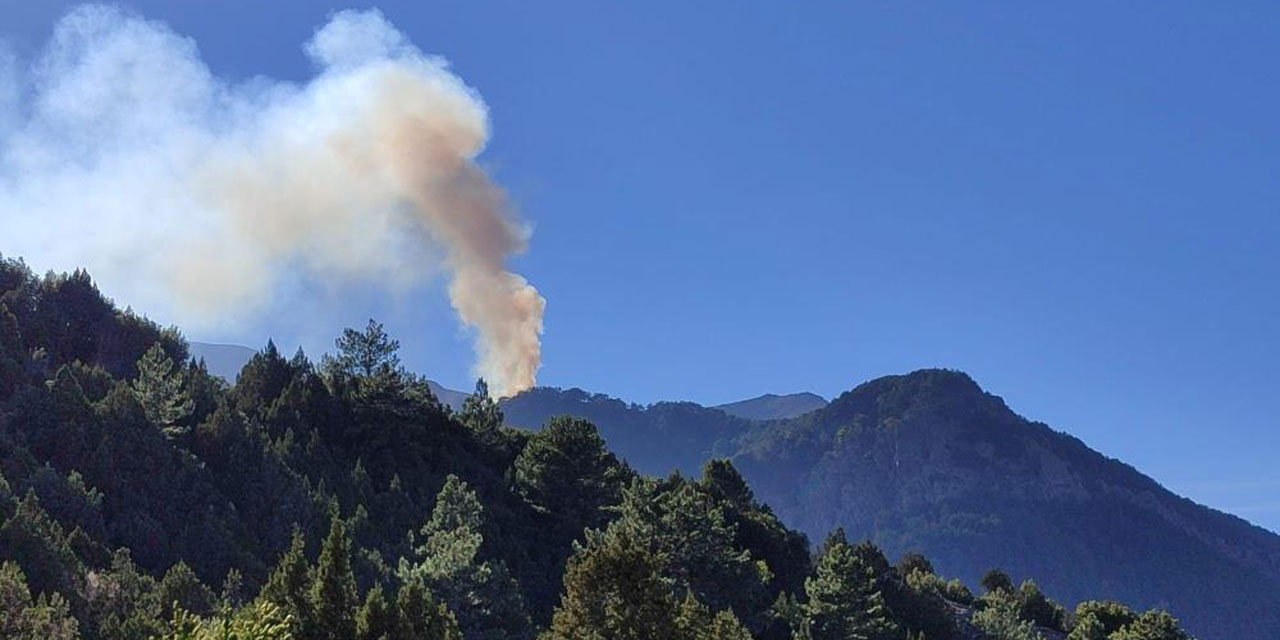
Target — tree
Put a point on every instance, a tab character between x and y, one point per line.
288	587
261	621
1097	620
1000	620
369	353
420	617
844	600
159	389
997	580
687	530
480	412
612	590
181	589
482	594
1152	625
333	586
566	471
25	618
913	561
376	620
1033	605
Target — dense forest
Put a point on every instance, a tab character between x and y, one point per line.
142	497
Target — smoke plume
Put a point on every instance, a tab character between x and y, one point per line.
121	152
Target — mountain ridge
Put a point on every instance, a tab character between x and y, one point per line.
772	406
929	461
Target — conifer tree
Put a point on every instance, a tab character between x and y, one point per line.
181	588
289	585
999	618
612	590
159	389
480	412
420	617
25	618
376	620
482	594
369	353
844	600
566	471
1152	625
333	586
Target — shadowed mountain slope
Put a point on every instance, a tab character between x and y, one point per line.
771	406
930	462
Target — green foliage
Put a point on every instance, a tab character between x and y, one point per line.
261	621
333	588
1152	625
289	586
369	353
997	580
483	595
25	618
1034	606
1096	620
1000	618
844	600
420	617
181	589
565	471
913	561
688	531
480	411
362	450
159	388
612	589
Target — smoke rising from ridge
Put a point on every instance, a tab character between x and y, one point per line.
123	153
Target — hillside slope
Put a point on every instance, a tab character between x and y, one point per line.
929	462
655	439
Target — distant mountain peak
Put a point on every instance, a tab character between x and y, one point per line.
772	406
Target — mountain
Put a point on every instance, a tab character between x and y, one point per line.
223	360
450	397
930	462
654	439
774	407
127	482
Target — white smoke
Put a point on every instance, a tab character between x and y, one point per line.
124	154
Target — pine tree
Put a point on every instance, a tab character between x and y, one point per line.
693	619
181	588
844	598
726	626
25	618
419	617
369	353
1152	625
566	471
482	594
159	389
612	590
480	412
289	585
999	618
376	620
333	586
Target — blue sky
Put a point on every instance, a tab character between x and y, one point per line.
1076	204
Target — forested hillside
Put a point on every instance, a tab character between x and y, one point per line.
929	462
142	497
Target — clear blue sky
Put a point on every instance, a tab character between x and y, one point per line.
1077	204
